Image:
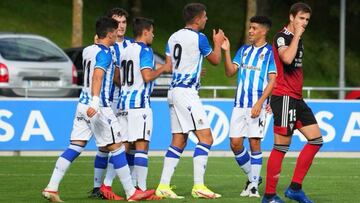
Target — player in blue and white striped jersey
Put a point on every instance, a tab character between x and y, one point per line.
137	72
95	116
102	156
186	49
256	70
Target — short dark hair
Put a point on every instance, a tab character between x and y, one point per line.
262	20
140	24
192	10
117	12
300	6
104	25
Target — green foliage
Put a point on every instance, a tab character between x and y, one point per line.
23	179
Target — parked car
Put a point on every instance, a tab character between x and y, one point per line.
33	61
161	83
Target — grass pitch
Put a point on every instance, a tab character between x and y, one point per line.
329	180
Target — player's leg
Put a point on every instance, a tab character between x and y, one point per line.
100	165
107	133
238	129
141	163
283	129
200	159
171	160
62	165
80	135
256	133
308	126
173	154
256	164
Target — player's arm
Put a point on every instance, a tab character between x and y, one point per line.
215	56
95	91
287	53
149	75
116	78
255	111
230	68
146	62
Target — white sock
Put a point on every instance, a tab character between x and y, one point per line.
256	163
62	165
243	159
110	175
100	164
200	161
141	168
122	170
171	160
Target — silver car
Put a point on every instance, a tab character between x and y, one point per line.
31	65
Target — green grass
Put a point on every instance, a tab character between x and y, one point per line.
329	180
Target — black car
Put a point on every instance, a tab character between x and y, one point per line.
161	83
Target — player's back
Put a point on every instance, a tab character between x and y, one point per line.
97	56
187	49
135	92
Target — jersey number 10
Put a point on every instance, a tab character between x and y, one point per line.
128	72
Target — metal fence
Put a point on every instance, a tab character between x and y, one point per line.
308	91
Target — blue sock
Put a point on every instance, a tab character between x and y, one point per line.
100	164
243	159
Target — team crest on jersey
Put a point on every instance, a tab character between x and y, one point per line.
261	57
245	54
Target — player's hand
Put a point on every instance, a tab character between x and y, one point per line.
256	109
218	37
226	44
268	109
299	29
91	112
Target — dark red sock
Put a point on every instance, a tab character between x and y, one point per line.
273	170
304	161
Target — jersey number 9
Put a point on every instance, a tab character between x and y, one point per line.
177	55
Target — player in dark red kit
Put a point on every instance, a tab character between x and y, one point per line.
290	110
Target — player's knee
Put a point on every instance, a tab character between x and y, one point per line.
316	141
236	146
281	148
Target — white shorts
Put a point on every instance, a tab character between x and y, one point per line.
186	111
136	124
105	127
81	129
242	125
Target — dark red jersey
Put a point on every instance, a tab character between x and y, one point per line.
289	80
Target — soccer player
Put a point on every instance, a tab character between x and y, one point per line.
102	155
137	73
256	70
94	116
290	110
186	49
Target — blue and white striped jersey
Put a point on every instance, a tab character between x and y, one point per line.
117	49
135	93
97	56
187	48
254	65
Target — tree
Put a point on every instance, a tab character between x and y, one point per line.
136	8
77	29
250	12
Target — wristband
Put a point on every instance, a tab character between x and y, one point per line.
95	103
